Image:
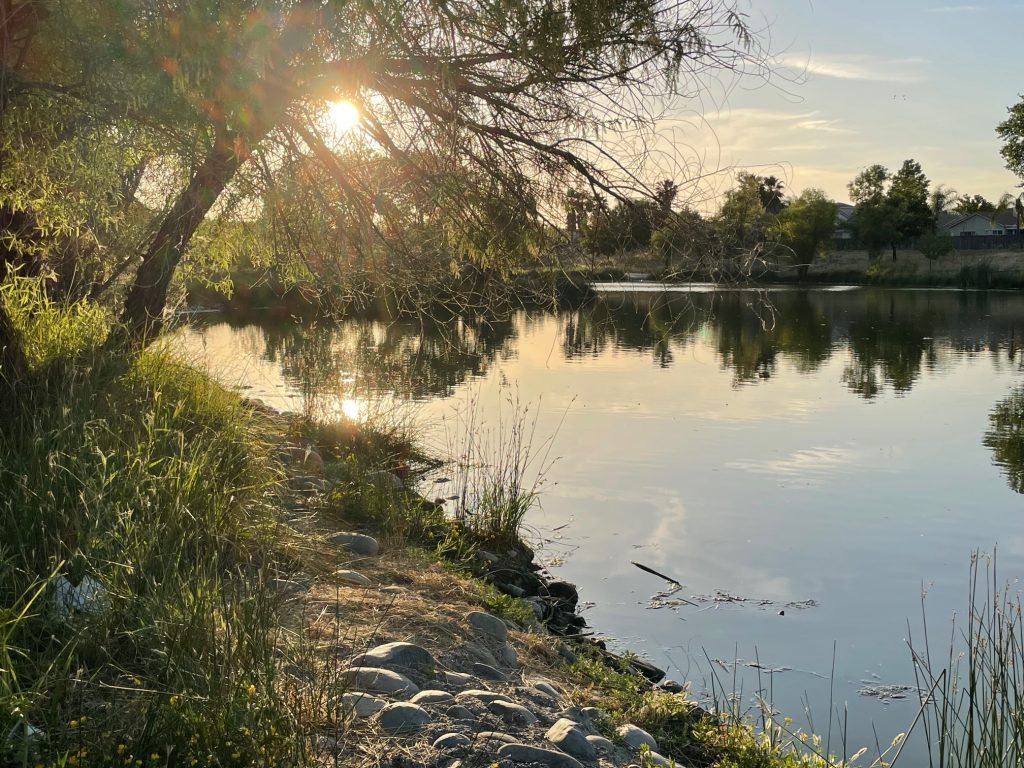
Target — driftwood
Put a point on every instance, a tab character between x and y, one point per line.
642	567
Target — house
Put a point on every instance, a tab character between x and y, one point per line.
844	221
979	224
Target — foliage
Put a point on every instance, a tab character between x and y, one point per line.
891	208
973	204
808	224
626	226
935	246
687	240
744	218
1005	438
1011	131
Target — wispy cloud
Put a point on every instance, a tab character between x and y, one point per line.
954	9
858	67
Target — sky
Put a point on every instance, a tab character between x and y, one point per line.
859	82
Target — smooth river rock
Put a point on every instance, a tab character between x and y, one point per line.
485	697
432	697
353	577
523	753
452	741
488	626
512	713
487	672
377	680
407	655
570	738
359	543
402	718
601	744
362	704
634	737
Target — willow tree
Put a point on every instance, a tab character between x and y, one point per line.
519	95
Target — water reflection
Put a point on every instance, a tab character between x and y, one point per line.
1005	438
887	337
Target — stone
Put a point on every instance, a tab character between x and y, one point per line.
452	741
546	687
523	753
487	625
570	738
671	686
592	715
459	712
512	713
353	577
402	717
393	590
432	697
88	597
564	592
653	758
376	680
405	655
512	590
489	557
496	736
361	704
634	737
507	656
456	679
359	543
539	607
487	672
566	653
601	744
477	652
485	697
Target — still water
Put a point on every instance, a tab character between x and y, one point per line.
807	463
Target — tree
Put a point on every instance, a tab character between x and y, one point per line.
688	239
934	246
891	208
973	204
808	226
508	94
1011	131
743	218
772	193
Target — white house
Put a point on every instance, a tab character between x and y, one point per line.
980	224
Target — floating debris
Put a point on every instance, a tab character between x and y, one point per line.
665	599
887	692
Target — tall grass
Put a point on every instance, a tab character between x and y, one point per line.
141	473
973	709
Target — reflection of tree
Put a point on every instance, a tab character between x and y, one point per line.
1005	437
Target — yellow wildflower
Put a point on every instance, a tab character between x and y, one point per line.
251	689
121	748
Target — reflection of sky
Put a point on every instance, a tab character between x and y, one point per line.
793	488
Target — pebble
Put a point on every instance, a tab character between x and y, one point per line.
653	758
569	737
452	741
485	697
459	712
456	679
487	672
490	557
601	744
406	655
634	737
512	713
432	697
362	704
523	753
402	717
377	680
496	736
507	656
353	577
592	715
488	625
477	652
359	543
545	686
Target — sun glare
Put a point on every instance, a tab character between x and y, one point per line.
344	115
352	409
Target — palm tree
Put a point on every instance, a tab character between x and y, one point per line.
772	193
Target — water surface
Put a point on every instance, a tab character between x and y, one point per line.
824	457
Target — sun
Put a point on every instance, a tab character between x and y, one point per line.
344	115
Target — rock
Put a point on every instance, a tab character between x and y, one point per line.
485	697
489	626
376	680
569	737
634	737
566	653
507	656
307	484
496	736
649	671
382	478
402	717
359	543
477	652
564	593
489	557
459	712
361	704
671	686
452	741
487	672
405	655
592	715
539	607
653	758
545	687
456	679
432	697
511	589
601	744
89	597
512	713
393	590
353	577
523	753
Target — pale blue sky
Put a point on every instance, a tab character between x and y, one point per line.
876	82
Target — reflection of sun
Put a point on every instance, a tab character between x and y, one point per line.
351	409
344	115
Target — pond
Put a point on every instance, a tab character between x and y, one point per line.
808	463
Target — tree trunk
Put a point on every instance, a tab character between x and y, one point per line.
144	305
894	251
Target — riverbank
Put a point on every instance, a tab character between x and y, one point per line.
197	580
